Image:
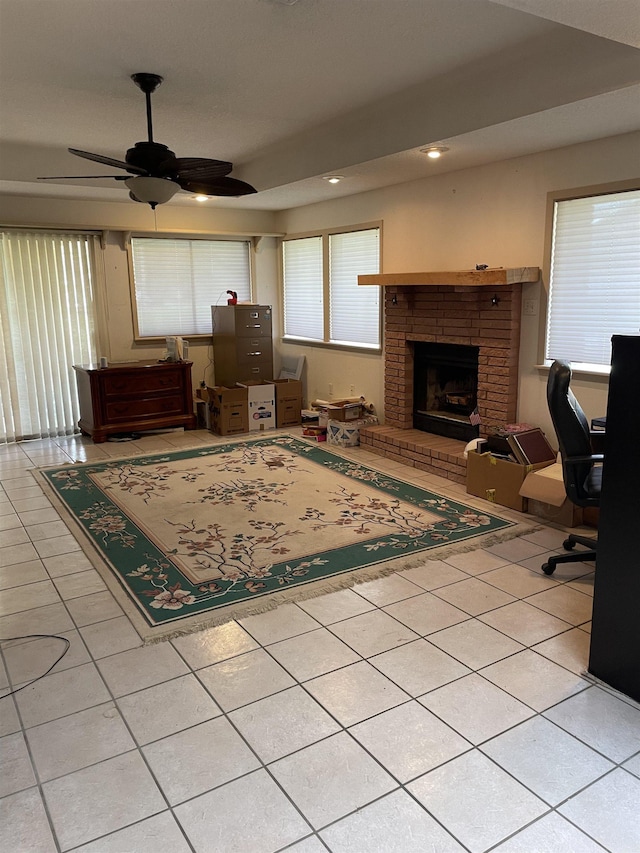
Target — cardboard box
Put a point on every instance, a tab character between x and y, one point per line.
341	410
347	434
261	400
547	497
288	402
567	514
498	480
229	410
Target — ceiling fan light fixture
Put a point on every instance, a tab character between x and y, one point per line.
201	198
434	151
152	191
333	179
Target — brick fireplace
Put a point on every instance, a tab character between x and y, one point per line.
483	317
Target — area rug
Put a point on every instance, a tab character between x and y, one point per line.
197	537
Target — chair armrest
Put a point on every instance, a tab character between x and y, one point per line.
580	460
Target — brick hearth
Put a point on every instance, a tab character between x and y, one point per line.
445	314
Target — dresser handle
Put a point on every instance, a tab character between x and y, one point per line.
253	326
254	353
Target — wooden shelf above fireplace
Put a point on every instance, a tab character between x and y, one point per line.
456	278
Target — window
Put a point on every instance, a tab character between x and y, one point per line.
594	285
322	300
47	324
176	281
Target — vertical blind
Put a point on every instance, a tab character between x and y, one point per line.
47	325
324	303
176	282
354	311
595	277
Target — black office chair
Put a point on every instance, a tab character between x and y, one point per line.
581	470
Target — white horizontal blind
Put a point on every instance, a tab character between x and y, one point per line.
303	288
595	277
177	281
354	314
47	324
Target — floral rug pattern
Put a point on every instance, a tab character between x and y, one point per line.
192	531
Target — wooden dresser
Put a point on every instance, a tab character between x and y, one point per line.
134	396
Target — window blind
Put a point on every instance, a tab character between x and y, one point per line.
303	288
177	281
594	288
354	314
324	303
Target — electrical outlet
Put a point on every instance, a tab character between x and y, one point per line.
353	389
331	389
530	307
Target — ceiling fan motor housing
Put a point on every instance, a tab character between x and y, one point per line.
149	156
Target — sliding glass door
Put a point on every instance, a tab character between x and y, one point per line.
47	324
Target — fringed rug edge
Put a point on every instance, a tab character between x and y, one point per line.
191	624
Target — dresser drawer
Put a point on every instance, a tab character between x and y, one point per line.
126	410
149	381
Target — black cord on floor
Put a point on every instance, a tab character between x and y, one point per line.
36	636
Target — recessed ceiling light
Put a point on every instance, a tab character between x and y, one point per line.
434	151
333	179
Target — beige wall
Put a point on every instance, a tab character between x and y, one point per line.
494	214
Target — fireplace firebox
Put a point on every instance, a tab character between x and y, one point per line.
445	389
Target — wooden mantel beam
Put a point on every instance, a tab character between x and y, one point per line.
457	278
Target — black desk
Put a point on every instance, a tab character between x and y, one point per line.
615	635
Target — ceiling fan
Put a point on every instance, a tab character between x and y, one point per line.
155	173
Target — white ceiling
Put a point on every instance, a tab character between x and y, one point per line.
291	90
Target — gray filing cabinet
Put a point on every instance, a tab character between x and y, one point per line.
242	343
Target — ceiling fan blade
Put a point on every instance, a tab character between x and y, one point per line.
219	186
200	168
81	177
108	161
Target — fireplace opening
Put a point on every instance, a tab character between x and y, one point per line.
445	389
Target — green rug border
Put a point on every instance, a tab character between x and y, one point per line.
344	580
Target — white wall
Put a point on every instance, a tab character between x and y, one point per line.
494	214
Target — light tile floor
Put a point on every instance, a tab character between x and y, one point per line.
444	708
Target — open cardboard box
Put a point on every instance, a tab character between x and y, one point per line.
544	489
498	480
340	410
